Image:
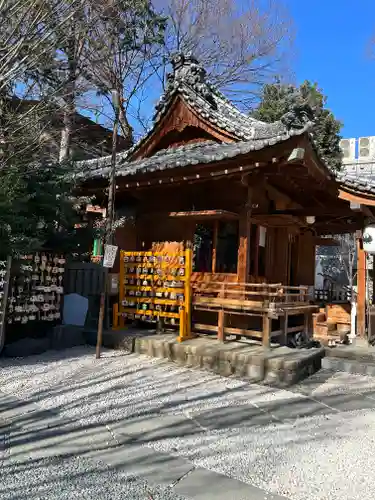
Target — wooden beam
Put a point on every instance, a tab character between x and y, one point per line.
205	214
326	242
306	212
355	198
331	229
277	194
361	289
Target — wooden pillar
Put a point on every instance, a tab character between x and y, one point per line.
214	246
361	289
266	337
221	326
373	280
284	327
243	266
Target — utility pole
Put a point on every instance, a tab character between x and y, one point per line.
110	215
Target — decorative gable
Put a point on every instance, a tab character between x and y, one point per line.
180	125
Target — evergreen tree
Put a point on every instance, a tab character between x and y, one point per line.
278	99
105	45
37	211
37	208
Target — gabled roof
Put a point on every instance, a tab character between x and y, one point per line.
188	81
190	154
356	181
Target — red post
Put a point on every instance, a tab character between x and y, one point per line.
361	289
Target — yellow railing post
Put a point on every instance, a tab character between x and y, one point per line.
121	289
185	311
188	270
182	328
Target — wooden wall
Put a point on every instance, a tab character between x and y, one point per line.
278	244
163	229
306	259
125	239
152	227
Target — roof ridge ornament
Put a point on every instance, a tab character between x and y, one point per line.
187	70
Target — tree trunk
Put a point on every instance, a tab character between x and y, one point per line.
68	120
126	128
2	129
69	98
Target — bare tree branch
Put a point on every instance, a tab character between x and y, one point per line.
241	45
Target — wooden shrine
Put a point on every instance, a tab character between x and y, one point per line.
251	199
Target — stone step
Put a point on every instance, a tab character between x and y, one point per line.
350	359
278	366
348	366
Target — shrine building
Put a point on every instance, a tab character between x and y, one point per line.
252	199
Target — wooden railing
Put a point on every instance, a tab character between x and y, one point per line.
341	295
266	301
252	292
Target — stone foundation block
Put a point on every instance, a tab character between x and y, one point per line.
255	372
276	367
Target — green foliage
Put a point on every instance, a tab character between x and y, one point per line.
277	100
37	210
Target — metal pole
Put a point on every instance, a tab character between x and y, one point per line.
110	215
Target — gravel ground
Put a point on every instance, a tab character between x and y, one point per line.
314	442
74	478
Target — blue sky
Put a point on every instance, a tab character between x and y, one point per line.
333	49
332	43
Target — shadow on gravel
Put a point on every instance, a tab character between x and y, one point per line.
114	413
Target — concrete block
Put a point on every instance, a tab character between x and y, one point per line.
227	355
292	377
127	343
208	361
275	363
255	372
140	346
240	369
168	351
274	377
193	361
281	365
178	352
65	336
159	351
224	368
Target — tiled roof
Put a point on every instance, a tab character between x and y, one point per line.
188	80
357	181
190	154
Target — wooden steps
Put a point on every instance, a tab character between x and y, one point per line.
332	323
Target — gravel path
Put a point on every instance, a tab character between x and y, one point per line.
75	478
314	442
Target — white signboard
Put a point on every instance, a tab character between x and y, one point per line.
262	236
110	252
369	240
